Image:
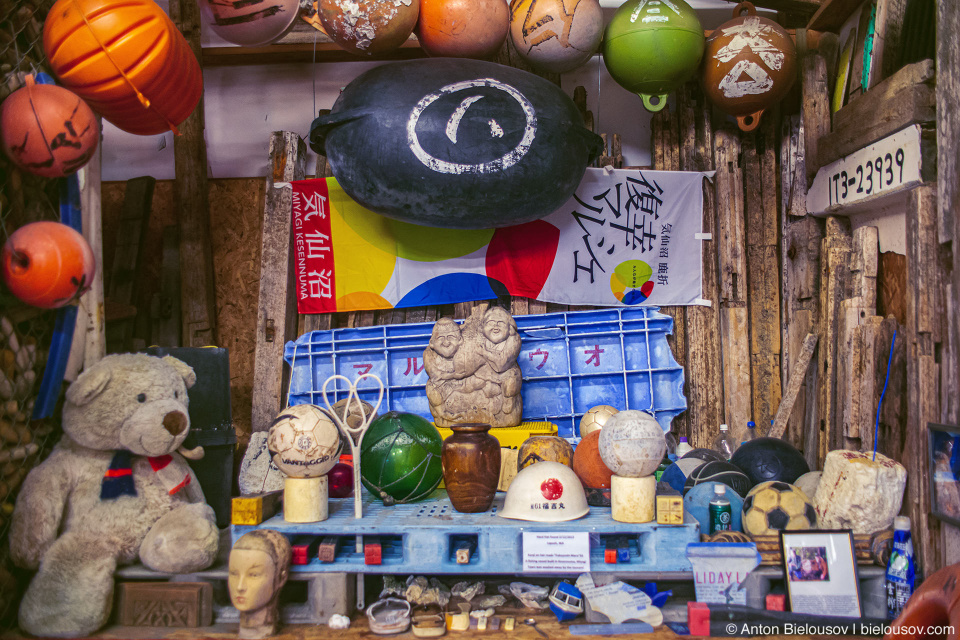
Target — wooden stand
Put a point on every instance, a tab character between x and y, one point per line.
305	499
633	499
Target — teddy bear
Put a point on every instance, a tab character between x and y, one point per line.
114	489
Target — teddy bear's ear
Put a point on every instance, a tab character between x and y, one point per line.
185	370
89	385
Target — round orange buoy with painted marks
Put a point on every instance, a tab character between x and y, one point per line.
48	130
366	27
47	264
588	465
463	28
556	35
126	59
750	63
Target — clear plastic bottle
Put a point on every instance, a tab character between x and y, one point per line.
671	445
720	516
751	433
724	444
683	447
901	569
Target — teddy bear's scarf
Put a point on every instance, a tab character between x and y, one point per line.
172	473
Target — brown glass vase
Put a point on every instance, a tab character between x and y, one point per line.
471	467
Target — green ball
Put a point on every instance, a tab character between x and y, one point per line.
400	458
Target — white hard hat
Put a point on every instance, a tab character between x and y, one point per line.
545	492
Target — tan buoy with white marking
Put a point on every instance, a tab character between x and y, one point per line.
633	499
305	499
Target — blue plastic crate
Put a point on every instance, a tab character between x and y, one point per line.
570	362
421	538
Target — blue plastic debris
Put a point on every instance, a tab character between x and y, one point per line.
657	598
570	362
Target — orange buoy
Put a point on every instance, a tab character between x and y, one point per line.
366	27
48	130
588	465
47	264
126	59
463	28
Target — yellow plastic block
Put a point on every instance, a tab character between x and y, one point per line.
253	510
514	436
669	509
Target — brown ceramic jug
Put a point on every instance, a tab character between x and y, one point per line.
471	467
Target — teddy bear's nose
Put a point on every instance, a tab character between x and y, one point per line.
175	422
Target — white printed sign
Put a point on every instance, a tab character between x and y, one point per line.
886	166
556	552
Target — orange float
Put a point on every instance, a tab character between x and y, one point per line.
48	130
588	465
47	264
367	27
126	59
463	28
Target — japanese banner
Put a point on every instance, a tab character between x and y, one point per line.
627	237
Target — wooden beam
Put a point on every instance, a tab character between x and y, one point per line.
834	278
797	378
948	204
924	312
190	197
806	7
815	108
94	340
734	319
703	358
763	266
832	14
907	97
276	307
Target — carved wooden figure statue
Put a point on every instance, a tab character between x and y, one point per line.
259	566
473	370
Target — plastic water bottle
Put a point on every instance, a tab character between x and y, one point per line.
723	444
751	433
671	445
719	509
901	569
683	447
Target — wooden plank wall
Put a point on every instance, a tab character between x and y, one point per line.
948	212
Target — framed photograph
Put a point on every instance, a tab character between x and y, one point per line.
944	472
821	573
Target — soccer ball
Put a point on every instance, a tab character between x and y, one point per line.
595	418
777	506
304	441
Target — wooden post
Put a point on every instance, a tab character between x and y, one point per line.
815	109
704	363
734	319
190	196
666	157
834	276
798	375
276	307
763	267
948	199
924	314
89	337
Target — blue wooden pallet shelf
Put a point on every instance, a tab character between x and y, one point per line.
420	538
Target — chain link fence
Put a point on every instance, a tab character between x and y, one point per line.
25	332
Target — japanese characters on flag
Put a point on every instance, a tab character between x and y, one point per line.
629	237
626	237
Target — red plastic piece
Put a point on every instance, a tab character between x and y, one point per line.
776	602
698	618
372	552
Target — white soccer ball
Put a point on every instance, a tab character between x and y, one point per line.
304	441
